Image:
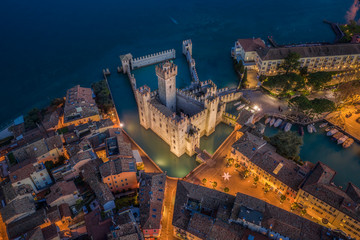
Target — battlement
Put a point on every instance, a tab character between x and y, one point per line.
166	52
189	95
144	90
198	116
166	70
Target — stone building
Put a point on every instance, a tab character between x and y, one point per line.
179	117
316	57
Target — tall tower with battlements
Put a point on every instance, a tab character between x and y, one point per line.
166	74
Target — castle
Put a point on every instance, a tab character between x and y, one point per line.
179	117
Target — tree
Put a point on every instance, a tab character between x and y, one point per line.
244	79
214	184
32	118
57	102
348	93
294	206
204	181
290	63
287	144
282	198
303	212
319	79
303	71
256	179
226	189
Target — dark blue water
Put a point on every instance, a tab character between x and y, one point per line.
47	47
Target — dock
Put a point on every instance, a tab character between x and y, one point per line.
335	27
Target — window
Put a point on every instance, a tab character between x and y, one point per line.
125	179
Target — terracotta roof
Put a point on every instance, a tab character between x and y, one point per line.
22	170
284	170
64	210
26	224
21	206
96	227
90	173
249	144
53	214
251	44
151	197
79	104
245	117
50	232
60	189
309	51
125	227
117	166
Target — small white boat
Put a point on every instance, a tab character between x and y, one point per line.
342	139
267	120
309	128
238	103
278	122
323	125
331	132
272	121
313	127
287	127
348	143
240	107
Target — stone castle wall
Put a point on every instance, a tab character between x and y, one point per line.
152	58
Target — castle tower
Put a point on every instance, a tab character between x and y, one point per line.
166	74
126	61
211	106
187	46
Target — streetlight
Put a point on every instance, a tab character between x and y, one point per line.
121	125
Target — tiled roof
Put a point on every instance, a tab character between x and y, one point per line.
151	196
280	221
79	104
64	210
35	234
38	148
309	51
251	44
117	166
22	170
81	156
248	144
16	207
125	227
96	227
279	167
50	232
26	224
60	189
90	174
116	145
53	214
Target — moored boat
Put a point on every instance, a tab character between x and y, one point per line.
282	126
342	139
267	120
328	129
272	121
337	136
240	107
348	142
309	128
323	125
313	127
301	131
331	132
287	127
238	103
278	122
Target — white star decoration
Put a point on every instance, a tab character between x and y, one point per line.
226	176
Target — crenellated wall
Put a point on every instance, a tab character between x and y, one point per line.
152	58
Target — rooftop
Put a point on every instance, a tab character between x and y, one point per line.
151	196
117	166
309	51
251	44
60	189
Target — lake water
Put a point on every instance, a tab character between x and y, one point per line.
49	46
319	147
